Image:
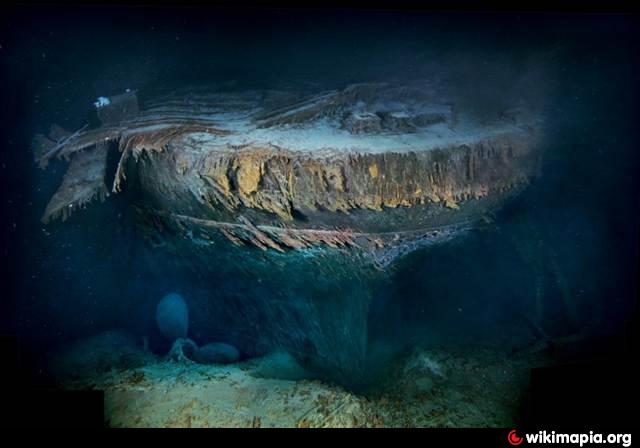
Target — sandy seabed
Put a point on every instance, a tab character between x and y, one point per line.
428	388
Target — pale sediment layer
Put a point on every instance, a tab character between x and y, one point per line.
430	389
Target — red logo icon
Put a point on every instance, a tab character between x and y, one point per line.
513	438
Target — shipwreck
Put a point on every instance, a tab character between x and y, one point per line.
269	182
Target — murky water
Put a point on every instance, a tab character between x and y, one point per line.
548	279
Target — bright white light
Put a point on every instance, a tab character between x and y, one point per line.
102	101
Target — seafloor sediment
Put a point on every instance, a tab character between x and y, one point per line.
427	388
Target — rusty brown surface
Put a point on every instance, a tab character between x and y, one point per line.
83	182
322	167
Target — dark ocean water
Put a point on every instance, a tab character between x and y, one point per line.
73	280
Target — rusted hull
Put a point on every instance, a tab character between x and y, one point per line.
262	190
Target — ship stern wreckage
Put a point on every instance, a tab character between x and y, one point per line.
299	198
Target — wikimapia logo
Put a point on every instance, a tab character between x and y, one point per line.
580	439
513	438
